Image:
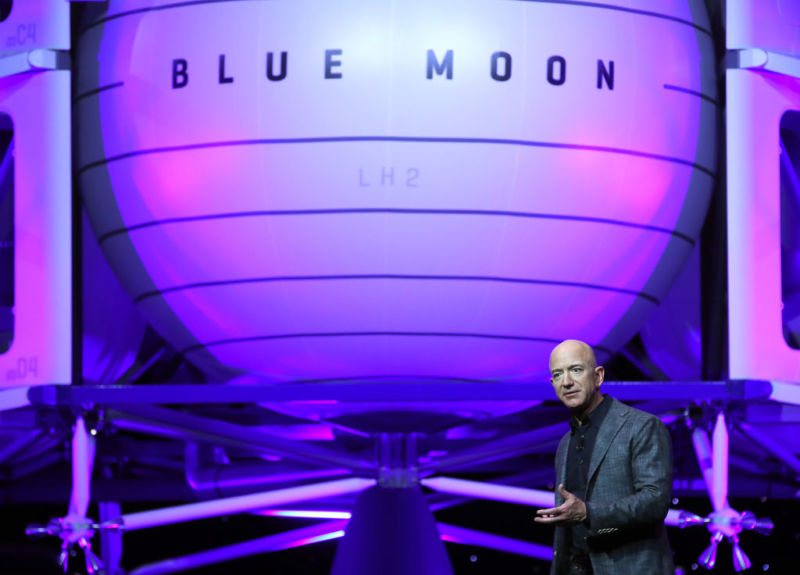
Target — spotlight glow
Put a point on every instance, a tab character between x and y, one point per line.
306	513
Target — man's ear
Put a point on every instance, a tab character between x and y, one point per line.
600	374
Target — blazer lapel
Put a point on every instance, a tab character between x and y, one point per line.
614	420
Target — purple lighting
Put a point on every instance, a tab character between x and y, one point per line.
306	513
776	448
719	489
192	511
454	534
308	268
279	542
785	392
13	397
83	450
533	497
320	538
702	449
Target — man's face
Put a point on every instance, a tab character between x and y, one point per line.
574	376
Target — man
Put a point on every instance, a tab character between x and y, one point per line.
614	475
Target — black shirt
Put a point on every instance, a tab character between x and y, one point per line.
581	444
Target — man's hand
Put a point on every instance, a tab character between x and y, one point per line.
572	511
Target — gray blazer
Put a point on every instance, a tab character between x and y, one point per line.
627	496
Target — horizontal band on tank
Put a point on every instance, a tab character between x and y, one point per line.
623	9
394	378
97	91
646	13
199	285
414	211
152	9
370	334
700	95
397	139
384	378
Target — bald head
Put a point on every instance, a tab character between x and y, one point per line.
576	377
573	348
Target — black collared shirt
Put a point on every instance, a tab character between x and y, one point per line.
581	444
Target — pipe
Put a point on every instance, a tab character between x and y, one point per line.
238	479
491	491
242	503
287	540
454	534
222	433
19	444
83	449
719	491
771	445
702	449
499	449
33	465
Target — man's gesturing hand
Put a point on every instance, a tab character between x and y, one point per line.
573	510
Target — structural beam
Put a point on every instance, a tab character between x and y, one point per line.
462	535
189	394
242	503
279	542
188	426
18	445
491	491
501	448
771	446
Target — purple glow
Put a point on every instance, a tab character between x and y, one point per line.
319	538
741	561
669	418
702	450
83	449
240	478
672	335
786	392
306	513
108	347
454	534
279	542
774	447
495	492
192	511
719	491
490	491
21	443
392	532
673	518
250	476
13	397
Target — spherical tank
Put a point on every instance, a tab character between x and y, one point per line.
429	189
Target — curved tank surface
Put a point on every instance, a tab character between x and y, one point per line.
441	190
